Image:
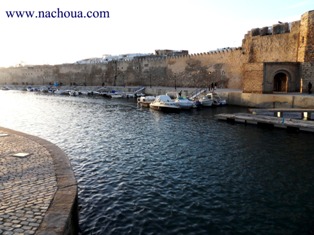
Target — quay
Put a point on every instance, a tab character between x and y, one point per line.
38	190
279	112
290	124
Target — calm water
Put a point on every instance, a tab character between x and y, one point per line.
144	172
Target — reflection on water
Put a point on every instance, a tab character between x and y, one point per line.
144	172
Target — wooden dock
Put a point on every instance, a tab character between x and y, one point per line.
279	112
293	125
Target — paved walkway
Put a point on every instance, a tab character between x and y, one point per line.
30	186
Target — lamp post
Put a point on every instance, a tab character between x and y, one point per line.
175	82
115	76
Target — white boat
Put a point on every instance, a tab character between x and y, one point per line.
206	101
4	88
112	94
164	103
29	88
145	100
182	102
216	99
74	93
43	89
130	95
139	94
61	92
115	95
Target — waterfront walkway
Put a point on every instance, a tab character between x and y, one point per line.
38	191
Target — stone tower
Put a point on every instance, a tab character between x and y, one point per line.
306	38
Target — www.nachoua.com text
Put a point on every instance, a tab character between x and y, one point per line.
58	14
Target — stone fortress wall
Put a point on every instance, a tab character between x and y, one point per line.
271	59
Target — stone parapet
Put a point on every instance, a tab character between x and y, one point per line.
42	184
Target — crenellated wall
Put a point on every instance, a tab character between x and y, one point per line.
270	59
287	48
273	48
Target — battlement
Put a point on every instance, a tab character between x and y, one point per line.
194	55
279	28
286	49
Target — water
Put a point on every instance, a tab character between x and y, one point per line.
144	172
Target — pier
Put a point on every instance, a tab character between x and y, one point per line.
290	124
306	114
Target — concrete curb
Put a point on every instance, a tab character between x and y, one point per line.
62	214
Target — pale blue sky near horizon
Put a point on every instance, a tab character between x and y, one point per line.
134	26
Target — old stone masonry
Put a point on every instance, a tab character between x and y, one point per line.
27	184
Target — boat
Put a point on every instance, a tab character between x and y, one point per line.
31	89
129	95
112	94
145	100
5	88
215	98
164	103
43	89
182	102
61	92
74	93
206	101
115	95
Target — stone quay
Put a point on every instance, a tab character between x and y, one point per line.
38	190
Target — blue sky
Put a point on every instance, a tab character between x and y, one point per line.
134	26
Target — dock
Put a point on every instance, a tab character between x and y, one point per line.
305	114
290	124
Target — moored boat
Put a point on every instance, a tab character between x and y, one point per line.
182	102
115	95
74	93
4	88
217	100
206	101
164	103
61	92
112	94
212	99
145	100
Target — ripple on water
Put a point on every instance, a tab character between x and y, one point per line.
145	172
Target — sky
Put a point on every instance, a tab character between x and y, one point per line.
133	26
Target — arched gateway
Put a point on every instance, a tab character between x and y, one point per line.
281	82
281	77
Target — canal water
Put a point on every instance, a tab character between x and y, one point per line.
144	172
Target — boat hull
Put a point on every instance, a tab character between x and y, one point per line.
144	103
164	108
164	103
206	103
